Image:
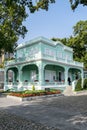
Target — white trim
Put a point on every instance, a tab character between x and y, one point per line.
53	61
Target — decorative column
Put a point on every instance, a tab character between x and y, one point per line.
20	75
66	75
41	74
5	79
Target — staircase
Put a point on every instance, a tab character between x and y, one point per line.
68	91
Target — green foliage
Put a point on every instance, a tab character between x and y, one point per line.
29	93
78	42
78	85
32	5
85	84
1	66
75	3
12	15
8	59
37	92
9	90
11	18
33	91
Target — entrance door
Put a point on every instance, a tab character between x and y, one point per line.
60	76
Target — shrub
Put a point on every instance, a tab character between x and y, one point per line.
29	93
85	84
9	90
78	85
1	66
33	88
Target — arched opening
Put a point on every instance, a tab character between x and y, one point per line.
74	74
54	73
30	73
12	75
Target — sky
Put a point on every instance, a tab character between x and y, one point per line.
57	22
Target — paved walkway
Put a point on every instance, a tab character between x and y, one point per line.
55	113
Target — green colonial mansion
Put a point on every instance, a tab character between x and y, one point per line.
43	63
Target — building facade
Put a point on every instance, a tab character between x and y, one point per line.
4	56
1	72
43	63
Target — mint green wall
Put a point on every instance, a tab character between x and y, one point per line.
56	51
48	50
28	51
62	53
26	75
59	47
16	75
68	55
53	67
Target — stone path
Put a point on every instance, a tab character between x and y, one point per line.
68	91
55	113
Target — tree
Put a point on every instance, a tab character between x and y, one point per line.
11	18
12	15
78	42
75	3
44	4
33	5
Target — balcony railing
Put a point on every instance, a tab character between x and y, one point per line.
38	56
61	60
16	86
46	82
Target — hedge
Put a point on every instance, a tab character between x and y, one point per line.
79	85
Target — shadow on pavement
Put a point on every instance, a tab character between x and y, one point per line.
64	112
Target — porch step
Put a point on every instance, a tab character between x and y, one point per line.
68	91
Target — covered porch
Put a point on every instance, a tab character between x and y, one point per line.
41	75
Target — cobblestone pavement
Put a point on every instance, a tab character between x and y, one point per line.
55	113
14	122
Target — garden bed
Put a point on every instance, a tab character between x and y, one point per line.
30	95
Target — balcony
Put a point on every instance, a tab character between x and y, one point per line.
61	60
38	56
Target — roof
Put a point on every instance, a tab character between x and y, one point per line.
44	40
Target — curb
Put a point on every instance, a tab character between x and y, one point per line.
84	92
33	98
